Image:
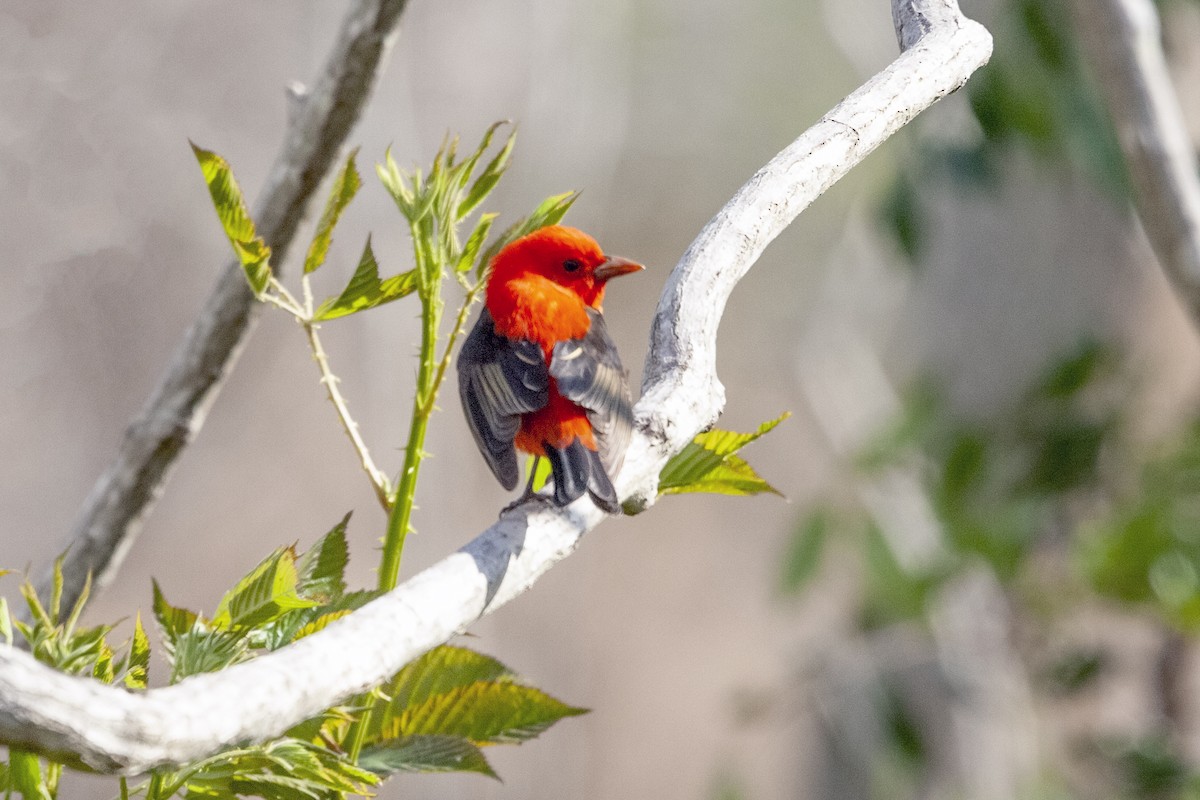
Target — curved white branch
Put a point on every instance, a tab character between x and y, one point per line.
114	731
1123	41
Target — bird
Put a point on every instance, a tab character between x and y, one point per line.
539	372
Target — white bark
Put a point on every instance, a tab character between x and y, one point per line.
1123	41
115	731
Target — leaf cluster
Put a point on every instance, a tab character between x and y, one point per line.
434	715
55	637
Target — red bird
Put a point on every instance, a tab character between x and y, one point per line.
539	372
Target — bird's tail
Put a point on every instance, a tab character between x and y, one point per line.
577	469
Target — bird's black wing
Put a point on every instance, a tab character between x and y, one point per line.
588	371
499	379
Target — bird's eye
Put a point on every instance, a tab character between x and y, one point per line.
571	264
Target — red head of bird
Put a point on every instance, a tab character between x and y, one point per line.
565	256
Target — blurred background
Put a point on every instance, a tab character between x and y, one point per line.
985	580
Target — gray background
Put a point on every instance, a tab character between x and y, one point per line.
667	625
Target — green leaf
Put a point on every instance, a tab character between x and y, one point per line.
322	568
467	168
80	602
440	670
425	754
286	768
137	667
56	592
26	773
320	623
251	250
264	595
393	181
474	243
5	622
804	552
345	186
490	176
173	621
708	464
542	469
366	290
485	712
288	628
36	609
204	650
103	668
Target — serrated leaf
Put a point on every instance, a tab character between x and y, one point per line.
285	768
475	243
137	667
227	198
322	567
440	670
708	464
103	668
366	290
264	595
425	754
345	186
490	176
205	650
173	621
320	623
485	712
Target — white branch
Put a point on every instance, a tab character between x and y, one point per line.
1123	41
114	731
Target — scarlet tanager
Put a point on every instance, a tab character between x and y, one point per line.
539	372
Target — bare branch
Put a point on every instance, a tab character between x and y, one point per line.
112	514
115	731
1122	39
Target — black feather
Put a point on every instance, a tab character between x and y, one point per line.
588	371
499	379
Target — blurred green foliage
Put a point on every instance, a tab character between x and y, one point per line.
1034	96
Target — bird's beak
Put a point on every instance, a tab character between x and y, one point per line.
614	266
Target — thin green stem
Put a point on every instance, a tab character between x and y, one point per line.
406	485
154	790
124	788
460	323
378	480
358	734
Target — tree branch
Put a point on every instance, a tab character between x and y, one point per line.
1122	40
111	516
114	731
